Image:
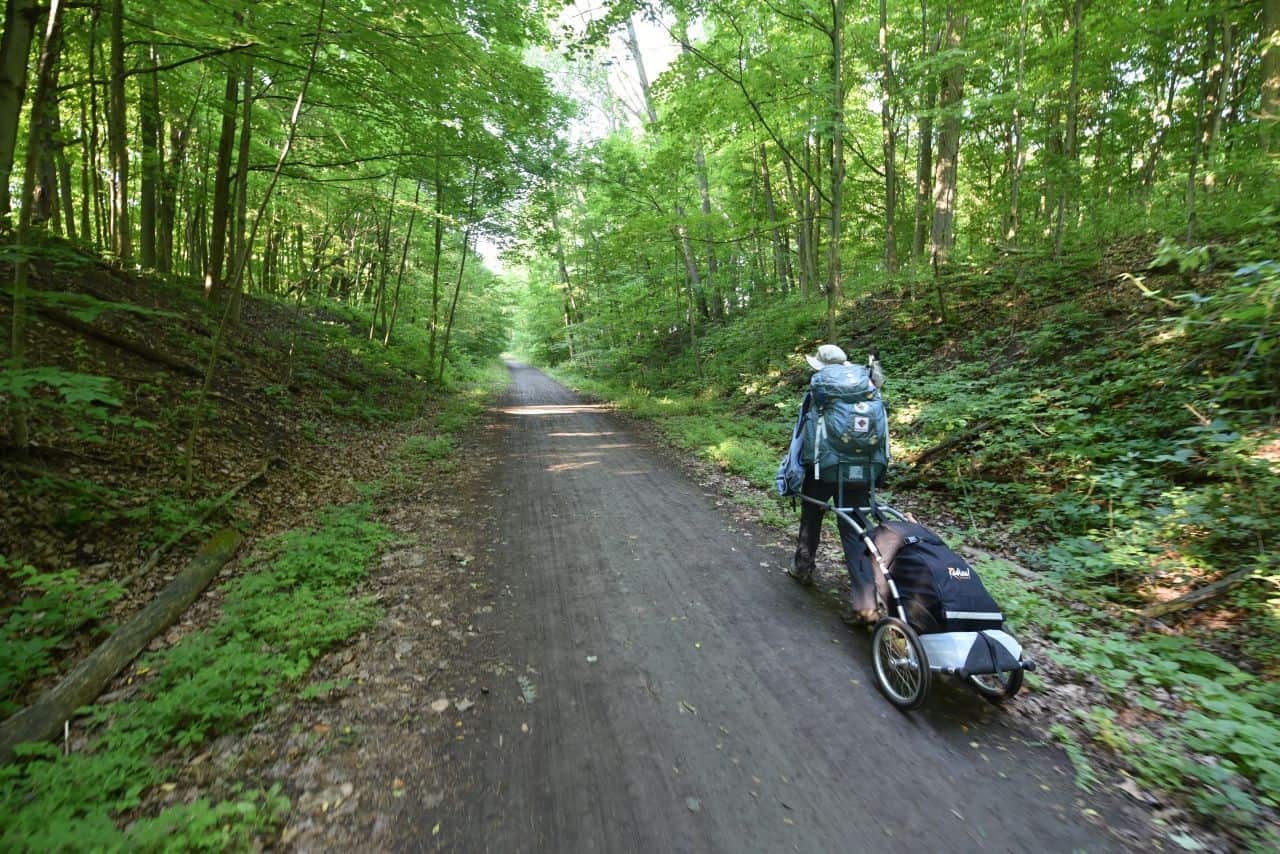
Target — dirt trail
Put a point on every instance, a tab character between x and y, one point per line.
657	684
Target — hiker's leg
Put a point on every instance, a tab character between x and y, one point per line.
862	585
810	524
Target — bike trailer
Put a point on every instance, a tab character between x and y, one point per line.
959	623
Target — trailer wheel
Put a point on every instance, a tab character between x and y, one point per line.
902	668
997	687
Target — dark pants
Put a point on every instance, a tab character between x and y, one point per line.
856	559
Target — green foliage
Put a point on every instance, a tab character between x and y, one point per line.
1191	260
229	825
163	514
50	608
427	448
275	622
1086	779
1242	318
438	451
81	402
1210	708
64	803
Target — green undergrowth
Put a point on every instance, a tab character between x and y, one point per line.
293	605
1121	431
1209	728
437	451
51	608
297	600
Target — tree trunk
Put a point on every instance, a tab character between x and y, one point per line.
704	189
1197	150
242	176
117	141
404	257
384	265
152	159
570	306
942	235
889	143
1270	104
1067	187
435	267
168	196
681	231
86	182
238	275
924	156
48	136
20	18
44	719
18	318
462	268
1219	92
1019	149
714	295
64	177
1157	148
781	270
101	223
222	190
834	286
45	78
1201	594
198	227
802	244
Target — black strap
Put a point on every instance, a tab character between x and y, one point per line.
991	651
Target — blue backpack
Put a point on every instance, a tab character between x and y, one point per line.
790	478
847	429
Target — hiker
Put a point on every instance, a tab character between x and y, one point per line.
858	562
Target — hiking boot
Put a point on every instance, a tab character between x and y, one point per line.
865	617
805	577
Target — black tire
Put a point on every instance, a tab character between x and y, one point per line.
901	666
997	687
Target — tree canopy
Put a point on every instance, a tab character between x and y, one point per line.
905	135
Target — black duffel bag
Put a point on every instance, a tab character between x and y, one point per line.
939	590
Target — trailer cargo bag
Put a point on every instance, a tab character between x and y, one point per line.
939	591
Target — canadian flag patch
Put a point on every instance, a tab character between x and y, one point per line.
862	423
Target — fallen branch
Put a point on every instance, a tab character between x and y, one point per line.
91	331
1200	595
926	457
45	718
154	557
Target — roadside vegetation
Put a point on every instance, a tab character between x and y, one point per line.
122	779
238	257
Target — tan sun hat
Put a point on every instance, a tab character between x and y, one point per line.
827	355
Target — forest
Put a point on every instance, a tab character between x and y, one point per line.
249	247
